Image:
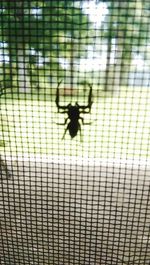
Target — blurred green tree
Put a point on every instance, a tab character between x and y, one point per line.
43	27
125	28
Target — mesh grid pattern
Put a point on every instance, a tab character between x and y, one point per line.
75	123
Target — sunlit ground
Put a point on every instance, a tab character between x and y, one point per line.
120	127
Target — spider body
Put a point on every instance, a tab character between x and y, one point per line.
73	112
73	115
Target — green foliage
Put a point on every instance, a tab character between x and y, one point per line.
127	21
48	28
126	25
42	25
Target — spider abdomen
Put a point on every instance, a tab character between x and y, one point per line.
73	128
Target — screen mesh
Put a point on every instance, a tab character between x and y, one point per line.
75	120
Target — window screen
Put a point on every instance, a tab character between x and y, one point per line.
74	141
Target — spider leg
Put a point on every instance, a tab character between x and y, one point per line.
57	100
65	133
87	108
65	111
81	136
90	102
63	122
85	123
57	95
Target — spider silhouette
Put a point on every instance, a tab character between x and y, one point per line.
73	112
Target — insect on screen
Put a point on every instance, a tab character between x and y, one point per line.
75	126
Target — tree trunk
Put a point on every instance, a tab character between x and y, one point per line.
22	57
22	67
10	66
108	72
118	67
115	73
